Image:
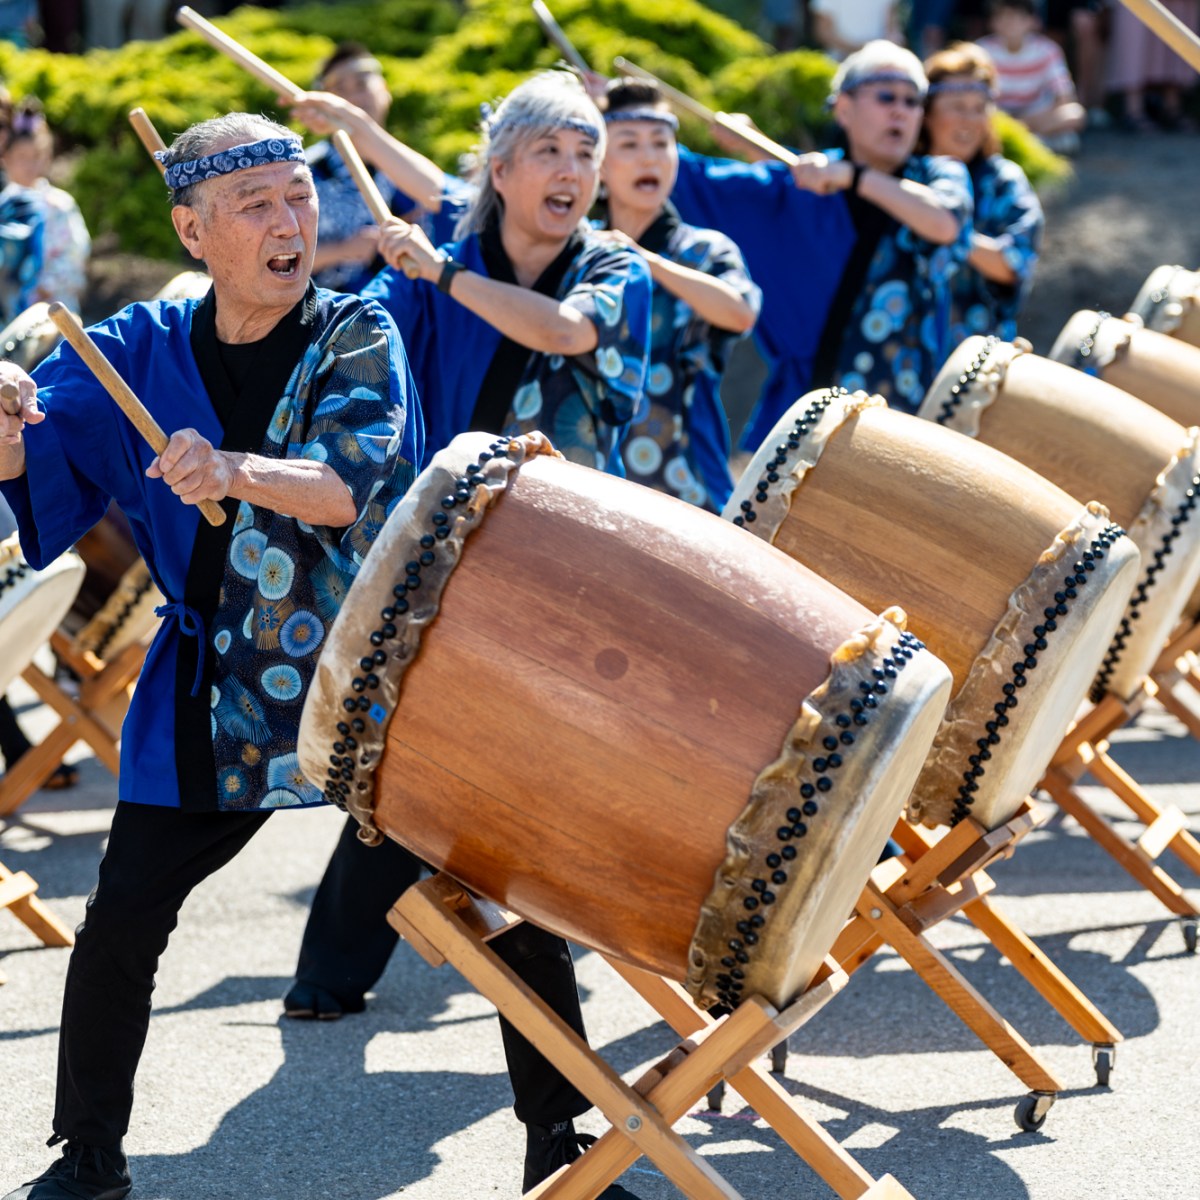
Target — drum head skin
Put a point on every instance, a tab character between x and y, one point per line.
614	712
1096	442
32	603
977	548
29	336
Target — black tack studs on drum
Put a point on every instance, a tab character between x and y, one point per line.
966	381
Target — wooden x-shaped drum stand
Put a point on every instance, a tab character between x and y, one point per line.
17	890
445	924
1085	750
938	878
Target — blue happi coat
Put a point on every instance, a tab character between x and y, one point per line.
218	729
1006	209
797	246
582	403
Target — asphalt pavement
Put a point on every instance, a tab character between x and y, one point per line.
411	1099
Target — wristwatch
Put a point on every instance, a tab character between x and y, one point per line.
450	268
857	170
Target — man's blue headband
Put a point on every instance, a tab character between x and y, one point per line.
493	126
658	115
890	75
237	158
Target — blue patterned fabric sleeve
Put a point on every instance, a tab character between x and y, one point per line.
723	260
1008	210
22	255
949	180
363	421
611	287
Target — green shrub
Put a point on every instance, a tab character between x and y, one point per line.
441	63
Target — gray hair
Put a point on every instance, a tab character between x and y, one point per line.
877	61
551	100
203	138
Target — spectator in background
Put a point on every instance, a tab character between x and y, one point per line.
1032	80
62	25
1080	30
66	243
1141	60
840	27
987	294
928	23
20	233
18	21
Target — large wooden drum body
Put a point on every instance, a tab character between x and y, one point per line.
1162	371
32	603
1014	584
624	719
1169	302
1092	440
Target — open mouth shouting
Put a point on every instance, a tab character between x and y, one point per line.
561	204
647	185
284	266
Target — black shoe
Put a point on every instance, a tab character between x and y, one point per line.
82	1173
308	1001
549	1147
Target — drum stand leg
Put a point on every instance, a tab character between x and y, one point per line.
936	879
446	925
83	719
17	894
1177	664
1085	749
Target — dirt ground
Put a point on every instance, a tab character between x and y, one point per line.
1127	211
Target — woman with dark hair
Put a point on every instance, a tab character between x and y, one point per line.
704	301
987	296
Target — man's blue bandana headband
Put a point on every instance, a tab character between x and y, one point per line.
886	76
237	158
657	115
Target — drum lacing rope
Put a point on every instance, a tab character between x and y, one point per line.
803	426
730	982
342	769
1142	591
966	380
1087	346
1164	293
1075	579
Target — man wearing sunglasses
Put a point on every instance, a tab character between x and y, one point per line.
854	249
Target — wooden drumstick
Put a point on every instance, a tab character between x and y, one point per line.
1169	27
684	103
370	193
148	136
552	29
10	399
261	71
69	326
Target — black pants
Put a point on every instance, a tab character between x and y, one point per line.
13	742
347	943
155	857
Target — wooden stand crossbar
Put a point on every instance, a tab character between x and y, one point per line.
1085	750
95	717
445	924
1178	664
17	895
936	878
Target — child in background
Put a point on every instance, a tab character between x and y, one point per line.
66	243
1032	80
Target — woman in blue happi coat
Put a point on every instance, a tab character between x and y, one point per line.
704	301
855	249
987	295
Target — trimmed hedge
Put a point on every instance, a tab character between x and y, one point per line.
441	63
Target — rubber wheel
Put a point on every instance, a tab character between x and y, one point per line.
716	1098
1189	935
1024	1113
1102	1060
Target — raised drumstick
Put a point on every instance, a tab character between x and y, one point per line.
69	326
148	136
552	29
1169	27
370	193
261	71
682	102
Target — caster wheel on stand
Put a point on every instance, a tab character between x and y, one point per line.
1031	1110
1189	933
1104	1057
779	1057
716	1098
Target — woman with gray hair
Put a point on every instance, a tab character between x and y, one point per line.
529	321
